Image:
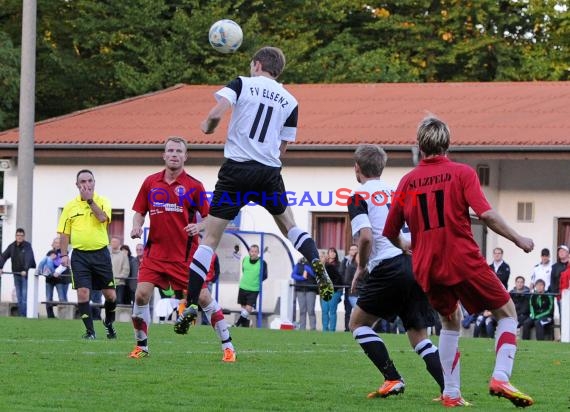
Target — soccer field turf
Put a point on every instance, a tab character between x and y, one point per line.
45	365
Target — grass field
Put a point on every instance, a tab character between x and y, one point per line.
44	365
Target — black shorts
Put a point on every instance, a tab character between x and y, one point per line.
92	269
391	290
242	182
247	297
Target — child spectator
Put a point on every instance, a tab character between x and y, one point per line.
541	312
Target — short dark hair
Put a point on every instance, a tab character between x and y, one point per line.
83	171
545	252
540	281
520	277
127	248
21	230
272	60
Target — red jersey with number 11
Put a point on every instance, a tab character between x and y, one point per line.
434	200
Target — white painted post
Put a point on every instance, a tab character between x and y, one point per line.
33	295
565	316
286	309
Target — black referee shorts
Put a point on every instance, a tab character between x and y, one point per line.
247	297
391	290
242	182
92	269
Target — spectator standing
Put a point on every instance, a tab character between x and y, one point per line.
329	308
55	278
22	256
49	268
83	224
500	267
542	270
133	272
306	293
557	269
121	270
434	199
541	312
347	270
520	296
252	268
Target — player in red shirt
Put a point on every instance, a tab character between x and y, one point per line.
173	199
434	200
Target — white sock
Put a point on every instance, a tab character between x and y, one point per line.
244	314
449	356
141	321
505	348
216	318
202	260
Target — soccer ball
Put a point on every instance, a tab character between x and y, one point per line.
225	36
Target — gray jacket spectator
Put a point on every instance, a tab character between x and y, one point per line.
22	256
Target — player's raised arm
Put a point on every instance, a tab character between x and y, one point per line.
216	113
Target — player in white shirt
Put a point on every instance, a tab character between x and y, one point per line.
263	122
542	270
389	289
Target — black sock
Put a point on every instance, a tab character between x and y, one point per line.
110	307
433	366
377	352
195	283
309	250
85	312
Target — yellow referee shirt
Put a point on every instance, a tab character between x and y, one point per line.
79	222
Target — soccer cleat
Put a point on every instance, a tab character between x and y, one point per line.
229	355
89	335
503	389
450	402
187	318
111	332
139	353
389	388
324	283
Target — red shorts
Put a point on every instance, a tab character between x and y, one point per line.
165	274
479	291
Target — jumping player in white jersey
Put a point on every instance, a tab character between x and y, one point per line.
389	289
263	122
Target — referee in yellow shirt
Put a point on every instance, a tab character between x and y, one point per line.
83	224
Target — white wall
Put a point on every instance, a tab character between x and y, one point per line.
548	186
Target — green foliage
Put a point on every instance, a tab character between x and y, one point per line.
9	81
46	366
94	52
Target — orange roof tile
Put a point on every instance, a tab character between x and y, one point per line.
479	114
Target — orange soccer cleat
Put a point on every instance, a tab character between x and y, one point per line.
139	353
389	388
503	389
450	402
229	355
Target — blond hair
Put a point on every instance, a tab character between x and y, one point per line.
433	136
